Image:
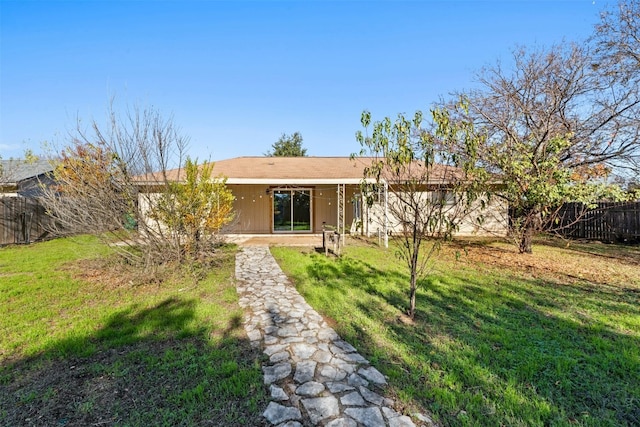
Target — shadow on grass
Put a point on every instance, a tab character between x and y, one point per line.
143	367
489	350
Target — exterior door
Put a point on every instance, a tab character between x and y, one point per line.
292	210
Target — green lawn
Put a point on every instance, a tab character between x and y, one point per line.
499	338
82	345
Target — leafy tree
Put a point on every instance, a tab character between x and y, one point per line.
197	208
555	127
431	189
288	146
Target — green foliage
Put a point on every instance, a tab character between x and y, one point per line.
288	146
542	181
197	208
537	181
432	187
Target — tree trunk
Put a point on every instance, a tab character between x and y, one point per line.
414	281
412	296
414	254
531	225
526	241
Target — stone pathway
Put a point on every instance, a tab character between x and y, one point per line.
315	377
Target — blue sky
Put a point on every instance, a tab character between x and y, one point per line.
236	75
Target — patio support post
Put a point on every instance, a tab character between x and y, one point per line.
341	211
365	220
344	212
386	214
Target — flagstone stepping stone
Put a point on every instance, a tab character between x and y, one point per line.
352	399
303	351
372	397
305	371
314	377
338	387
276	372
373	375
357	380
369	417
278	393
276	413
332	373
342	422
310	389
320	408
403	421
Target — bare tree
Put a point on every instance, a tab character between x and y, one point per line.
109	177
555	128
617	54
617	40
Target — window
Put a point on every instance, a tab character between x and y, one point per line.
443	196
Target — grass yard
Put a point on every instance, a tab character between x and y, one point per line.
84	342
499	339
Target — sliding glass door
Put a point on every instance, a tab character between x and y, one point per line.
291	210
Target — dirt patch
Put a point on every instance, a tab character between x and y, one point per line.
406	320
109	273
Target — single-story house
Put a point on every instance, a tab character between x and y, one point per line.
298	195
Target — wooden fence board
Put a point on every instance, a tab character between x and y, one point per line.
609	222
22	220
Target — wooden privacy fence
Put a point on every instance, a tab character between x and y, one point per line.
22	220
608	222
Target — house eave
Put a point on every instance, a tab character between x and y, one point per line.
295	181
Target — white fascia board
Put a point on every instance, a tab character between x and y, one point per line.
297	181
271	181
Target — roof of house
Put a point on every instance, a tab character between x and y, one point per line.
17	170
294	170
330	169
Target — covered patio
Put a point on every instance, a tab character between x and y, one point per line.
284	196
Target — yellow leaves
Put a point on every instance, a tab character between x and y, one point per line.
85	167
198	207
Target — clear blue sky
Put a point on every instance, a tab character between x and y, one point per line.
236	75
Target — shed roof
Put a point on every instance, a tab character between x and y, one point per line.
17	170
